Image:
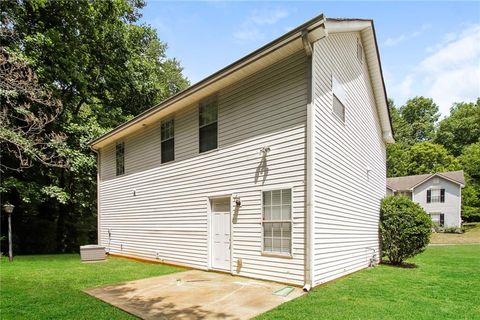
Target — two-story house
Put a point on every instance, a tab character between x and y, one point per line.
271	168
440	194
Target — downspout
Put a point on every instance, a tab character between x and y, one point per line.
310	179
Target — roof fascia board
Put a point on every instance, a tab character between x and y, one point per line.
310	26
436	175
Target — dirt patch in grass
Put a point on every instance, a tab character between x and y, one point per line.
470	236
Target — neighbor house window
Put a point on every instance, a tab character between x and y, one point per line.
120	157
277	221
435	195
438	219
338	107
168	140
208	124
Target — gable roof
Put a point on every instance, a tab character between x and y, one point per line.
408	183
282	47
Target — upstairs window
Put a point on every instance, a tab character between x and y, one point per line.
359	50
168	140
435	195
208	125
338	107
277	221
120	158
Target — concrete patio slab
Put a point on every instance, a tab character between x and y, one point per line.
194	294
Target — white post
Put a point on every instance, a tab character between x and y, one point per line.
10	253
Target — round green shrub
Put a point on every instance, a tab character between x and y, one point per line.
405	229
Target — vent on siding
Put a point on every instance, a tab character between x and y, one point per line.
359	50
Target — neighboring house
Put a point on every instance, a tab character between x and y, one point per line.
271	168
440	194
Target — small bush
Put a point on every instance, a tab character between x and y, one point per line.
405	229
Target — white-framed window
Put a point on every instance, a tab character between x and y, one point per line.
120	158
435	195
167	132
208	124
277	221
338	107
359	50
438	218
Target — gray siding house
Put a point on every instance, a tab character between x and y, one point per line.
271	168
440	194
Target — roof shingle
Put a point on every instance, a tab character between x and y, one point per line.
408	182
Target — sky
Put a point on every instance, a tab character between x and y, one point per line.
426	48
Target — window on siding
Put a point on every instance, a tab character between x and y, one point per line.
359	51
120	158
338	107
168	140
208	125
435	195
277	221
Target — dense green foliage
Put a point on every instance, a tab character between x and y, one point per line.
49	286
104	68
405	229
461	128
425	146
470	160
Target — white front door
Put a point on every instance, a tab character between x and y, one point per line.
220	233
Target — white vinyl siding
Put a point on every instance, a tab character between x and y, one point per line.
167	218
349	161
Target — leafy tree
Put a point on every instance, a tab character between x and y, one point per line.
427	157
397	159
470	160
422	157
104	68
405	229
402	130
27	109
461	128
420	114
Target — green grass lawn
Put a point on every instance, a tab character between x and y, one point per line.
49	287
445	285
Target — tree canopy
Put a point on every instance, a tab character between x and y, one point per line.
461	128
424	145
95	66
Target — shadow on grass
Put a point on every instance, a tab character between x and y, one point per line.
403	265
133	302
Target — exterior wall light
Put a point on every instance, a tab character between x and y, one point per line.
236	200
